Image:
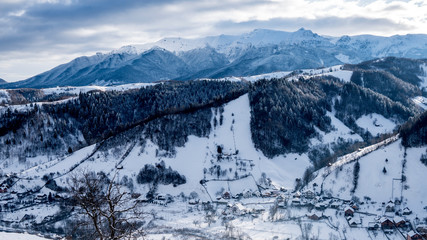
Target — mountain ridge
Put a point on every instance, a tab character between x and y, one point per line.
257	52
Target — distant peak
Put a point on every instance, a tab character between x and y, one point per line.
129	49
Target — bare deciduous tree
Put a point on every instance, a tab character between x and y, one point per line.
109	212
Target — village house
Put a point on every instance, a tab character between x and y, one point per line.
238	209
422	230
309	194
389	207
247	193
406	211
226	195
413	236
314	216
386	223
348	211
399	222
297	195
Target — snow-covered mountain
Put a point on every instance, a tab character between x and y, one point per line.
258	52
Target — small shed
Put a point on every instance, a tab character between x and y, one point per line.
352	222
320	206
373	226
296	201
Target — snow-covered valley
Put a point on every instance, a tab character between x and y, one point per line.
231	188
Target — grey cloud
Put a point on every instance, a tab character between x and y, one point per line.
326	25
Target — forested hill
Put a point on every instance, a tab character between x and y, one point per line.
414	132
94	116
286	116
397	78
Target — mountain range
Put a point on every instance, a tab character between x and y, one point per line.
258	52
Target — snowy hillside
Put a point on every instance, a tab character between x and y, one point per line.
231	157
379	185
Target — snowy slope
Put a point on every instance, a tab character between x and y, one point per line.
191	159
19	236
377	185
375	124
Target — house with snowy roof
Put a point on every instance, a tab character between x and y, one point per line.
389	207
413	236
406	211
386	223
399	222
348	211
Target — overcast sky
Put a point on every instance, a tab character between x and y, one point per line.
37	35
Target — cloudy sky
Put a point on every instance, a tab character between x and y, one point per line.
36	35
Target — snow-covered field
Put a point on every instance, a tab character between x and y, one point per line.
19	236
84	89
375	124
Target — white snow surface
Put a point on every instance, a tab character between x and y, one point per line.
340	131
343	75
379	186
375	124
343	58
19	236
267	76
84	89
420	101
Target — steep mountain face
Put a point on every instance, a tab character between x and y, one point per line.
2	81
257	52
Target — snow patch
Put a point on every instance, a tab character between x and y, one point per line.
343	58
375	124
420	101
19	236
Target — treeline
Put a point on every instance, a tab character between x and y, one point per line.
414	132
113	112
